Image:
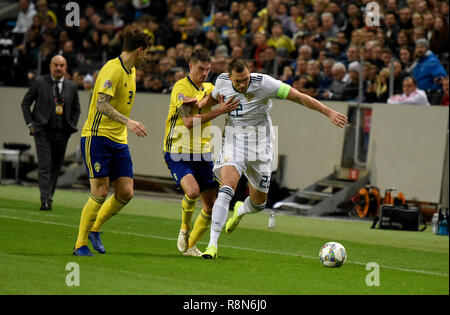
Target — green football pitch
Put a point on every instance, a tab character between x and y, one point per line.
142	256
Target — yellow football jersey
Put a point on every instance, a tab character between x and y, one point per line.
115	80
179	139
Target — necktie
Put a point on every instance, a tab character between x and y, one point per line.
56	85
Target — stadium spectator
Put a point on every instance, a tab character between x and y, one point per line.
417	20
386	56
110	21
411	94
399	75
391	29
350	90
291	23
427	68
305	52
352	54
405	21
192	33
318	44
338	16
340	79
88	82
279	40
238	28
24	20
300	67
403	39
439	42
288	75
311	24
43	11
405	55
52	121
418	32
313	72
326	78
378	92
153	84
428	24
328	28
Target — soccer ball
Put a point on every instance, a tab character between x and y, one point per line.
332	254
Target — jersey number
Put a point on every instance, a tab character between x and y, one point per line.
265	181
236	112
130	97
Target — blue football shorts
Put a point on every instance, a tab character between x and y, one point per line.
200	168
104	157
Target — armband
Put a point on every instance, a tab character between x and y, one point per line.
283	91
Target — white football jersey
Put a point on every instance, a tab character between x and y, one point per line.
255	104
248	133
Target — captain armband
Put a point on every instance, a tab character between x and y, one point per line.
283	91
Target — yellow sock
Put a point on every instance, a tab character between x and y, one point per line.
201	225
88	216
188	205
111	207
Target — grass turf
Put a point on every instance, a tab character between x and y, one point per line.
142	258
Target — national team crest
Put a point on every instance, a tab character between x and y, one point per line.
108	84
181	97
97	167
249	96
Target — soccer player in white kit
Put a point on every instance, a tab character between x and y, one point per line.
247	143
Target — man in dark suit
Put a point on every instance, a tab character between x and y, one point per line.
53	119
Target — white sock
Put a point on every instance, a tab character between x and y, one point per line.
220	213
249	207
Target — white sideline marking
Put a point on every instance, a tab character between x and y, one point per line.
226	246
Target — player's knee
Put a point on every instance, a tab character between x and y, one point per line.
125	194
193	193
100	191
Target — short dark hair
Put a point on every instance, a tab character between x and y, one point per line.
238	65
414	81
133	39
200	54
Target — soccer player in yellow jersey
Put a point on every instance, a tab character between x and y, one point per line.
188	154
104	140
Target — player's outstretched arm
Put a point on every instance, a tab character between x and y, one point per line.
104	107
190	119
335	117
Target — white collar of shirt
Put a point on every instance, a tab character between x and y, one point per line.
60	81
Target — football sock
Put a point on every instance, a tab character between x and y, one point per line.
188	205
249	207
88	216
201	225
220	213
111	207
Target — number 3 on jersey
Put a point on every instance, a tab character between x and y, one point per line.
130	97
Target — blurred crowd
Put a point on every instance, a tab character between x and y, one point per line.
321	47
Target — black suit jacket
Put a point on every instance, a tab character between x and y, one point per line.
41	92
